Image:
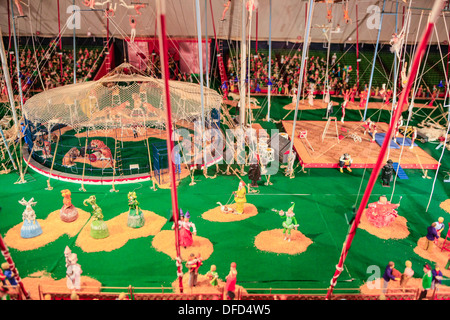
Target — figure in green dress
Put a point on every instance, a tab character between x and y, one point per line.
135	215
99	229
289	223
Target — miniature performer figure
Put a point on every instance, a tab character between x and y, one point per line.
289	223
135	215
30	227
371	128
439	227
99	228
363	98
184	225
382	213
345	103
436	278
213	276
386	173
388	275
193	264
226	7
329	110
19	8
345	161
413	137
431	236
8	274
68	212
230	285
398	125
254	174
406	275
240	198
311	94
133	28
426	282
73	273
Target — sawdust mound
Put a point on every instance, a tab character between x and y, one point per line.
396	230
436	255
119	232
203	286
217	215
273	241
43	281
52	228
164	242
445	205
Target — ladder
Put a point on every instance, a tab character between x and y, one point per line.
107	58
118	163
325	131
222	70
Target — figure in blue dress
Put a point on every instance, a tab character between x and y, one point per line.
30	227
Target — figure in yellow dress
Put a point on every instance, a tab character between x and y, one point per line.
239	198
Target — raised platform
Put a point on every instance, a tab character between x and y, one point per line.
326	153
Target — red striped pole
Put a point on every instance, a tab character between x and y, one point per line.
163	50
437	8
12	267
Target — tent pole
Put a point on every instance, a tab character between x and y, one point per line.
243	68
163	49
357	48
206	44
269	75
437	7
300	79
374	60
74	47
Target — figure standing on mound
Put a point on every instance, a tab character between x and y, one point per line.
230	285
386	173
239	197
99	228
135	215
68	212
289	223
345	161
184	225
30	227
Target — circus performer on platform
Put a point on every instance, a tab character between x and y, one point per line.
239	197
213	276
225	9
382	213
386	173
345	161
230	285
185	226
135	215
68	212
289	223
30	227
99	228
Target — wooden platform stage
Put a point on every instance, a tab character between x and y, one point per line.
326	153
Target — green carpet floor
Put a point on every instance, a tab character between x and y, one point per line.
322	199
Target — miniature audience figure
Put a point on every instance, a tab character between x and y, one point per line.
345	161
254	174
213	276
193	264
388	276
73	273
30	227
387	173
426	282
135	215
8	275
406	275
186	236
436	278
68	212
439	227
240	198
431	237
4	295
230	285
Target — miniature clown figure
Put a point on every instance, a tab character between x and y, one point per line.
135	215
30	227
99	228
289	223
213	276
73	273
345	161
230	285
68	212
185	226
239	197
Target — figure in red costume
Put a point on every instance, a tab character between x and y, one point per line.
363	98
382	213
230	285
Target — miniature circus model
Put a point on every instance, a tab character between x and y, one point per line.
135	215
30	227
382	213
68	212
99	228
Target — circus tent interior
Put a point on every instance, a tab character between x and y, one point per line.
224	149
